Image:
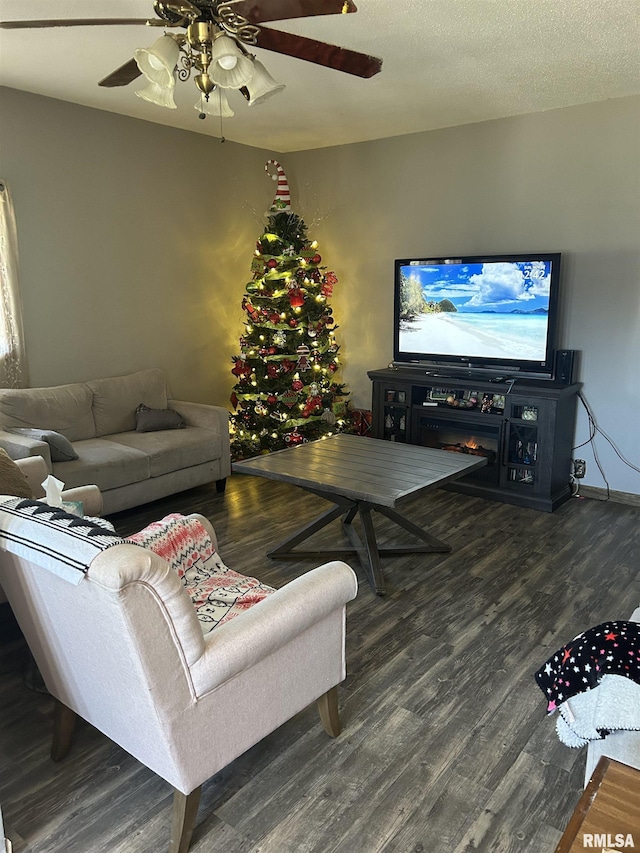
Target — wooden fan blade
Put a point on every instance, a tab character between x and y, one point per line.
86	22
259	11
319	52
122	76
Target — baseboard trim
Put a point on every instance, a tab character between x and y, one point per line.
617	497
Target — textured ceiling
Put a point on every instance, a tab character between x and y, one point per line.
445	63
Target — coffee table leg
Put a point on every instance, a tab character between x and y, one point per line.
305	532
437	545
374	567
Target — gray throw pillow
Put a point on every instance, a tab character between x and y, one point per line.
60	448
151	420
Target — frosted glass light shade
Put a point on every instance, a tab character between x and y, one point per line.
217	105
223	54
262	85
158	95
158	61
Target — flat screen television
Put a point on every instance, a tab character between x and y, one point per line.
480	313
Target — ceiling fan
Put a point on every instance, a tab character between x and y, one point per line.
216	46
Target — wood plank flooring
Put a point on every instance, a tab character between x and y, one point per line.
445	743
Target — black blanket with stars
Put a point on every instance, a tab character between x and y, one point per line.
611	648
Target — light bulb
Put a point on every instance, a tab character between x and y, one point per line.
228	62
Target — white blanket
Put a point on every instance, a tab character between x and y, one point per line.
614	704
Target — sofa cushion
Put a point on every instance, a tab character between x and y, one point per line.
172	450
116	399
104	463
64	408
12	480
60	448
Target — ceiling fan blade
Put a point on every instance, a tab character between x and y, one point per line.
79	22
319	52
122	76
259	11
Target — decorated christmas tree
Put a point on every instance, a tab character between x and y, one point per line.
286	391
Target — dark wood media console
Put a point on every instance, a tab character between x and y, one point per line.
524	427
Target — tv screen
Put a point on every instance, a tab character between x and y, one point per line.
492	312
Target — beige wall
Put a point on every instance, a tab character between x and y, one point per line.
566	180
135	243
136	240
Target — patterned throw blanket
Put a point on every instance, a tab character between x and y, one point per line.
217	592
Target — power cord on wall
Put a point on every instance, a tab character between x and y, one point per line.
594	429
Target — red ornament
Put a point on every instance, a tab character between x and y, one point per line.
326	289
272	263
333	367
293	322
296	297
241	369
272	371
316	259
274	318
297	385
272	399
234	400
251	311
293	437
288	365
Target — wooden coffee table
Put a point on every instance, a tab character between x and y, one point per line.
608	813
359	475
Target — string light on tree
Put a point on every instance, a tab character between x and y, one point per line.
286	391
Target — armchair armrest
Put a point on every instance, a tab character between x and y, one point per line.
21	447
35	470
240	643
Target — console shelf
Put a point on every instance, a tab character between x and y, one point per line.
525	428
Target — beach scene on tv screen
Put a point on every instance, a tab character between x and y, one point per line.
477	310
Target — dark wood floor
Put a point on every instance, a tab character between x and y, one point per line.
445	747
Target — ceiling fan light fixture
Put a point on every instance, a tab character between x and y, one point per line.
230	67
262	85
217	105
158	62
159	95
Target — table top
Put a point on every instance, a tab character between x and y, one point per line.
362	468
609	807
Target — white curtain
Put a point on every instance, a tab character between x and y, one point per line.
13	362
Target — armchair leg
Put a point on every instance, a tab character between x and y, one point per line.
221	485
185	809
328	709
64	722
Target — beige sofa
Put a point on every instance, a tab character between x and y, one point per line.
99	420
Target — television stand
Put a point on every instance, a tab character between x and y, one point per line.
524	427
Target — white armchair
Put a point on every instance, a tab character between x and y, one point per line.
117	641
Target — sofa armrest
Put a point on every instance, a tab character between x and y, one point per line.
21	447
210	417
272	623
35	470
91	498
202	415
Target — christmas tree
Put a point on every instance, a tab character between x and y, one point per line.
286	391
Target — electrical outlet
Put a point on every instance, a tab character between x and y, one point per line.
579	468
